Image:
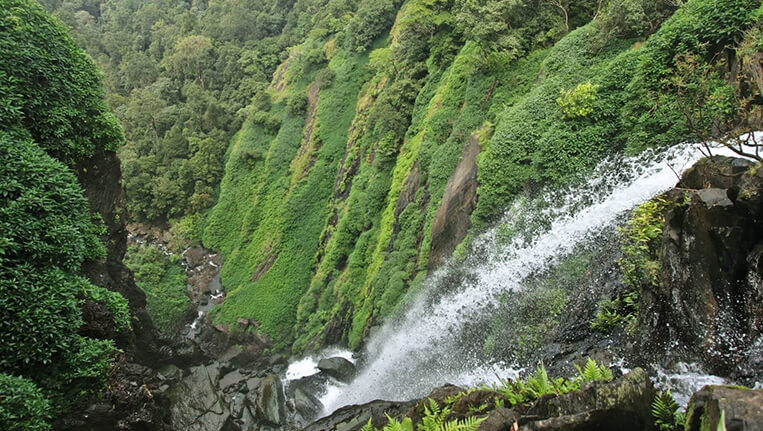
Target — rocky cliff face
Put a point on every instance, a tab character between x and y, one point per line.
707	306
134	398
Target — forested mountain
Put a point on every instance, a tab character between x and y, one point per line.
328	148
336	153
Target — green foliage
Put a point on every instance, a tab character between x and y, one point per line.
115	302
640	243
53	108
593	372
52	87
621	311
23	407
533	144
577	102
297	104
373	18
701	28
43	215
666	413
164	281
434	419
540	383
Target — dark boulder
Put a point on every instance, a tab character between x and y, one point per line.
353	418
307	404
338	368
500	419
270	401
742	409
624	404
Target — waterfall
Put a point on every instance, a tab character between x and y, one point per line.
424	346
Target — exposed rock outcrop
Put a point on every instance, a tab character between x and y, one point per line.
624	404
707	306
742	409
452	219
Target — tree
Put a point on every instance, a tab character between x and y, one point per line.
53	86
190	58
726	111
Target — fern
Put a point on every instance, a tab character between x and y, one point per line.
434	420
665	411
368	427
540	384
395	425
593	372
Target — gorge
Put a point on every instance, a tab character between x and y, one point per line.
355	214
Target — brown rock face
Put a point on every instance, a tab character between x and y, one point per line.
452	219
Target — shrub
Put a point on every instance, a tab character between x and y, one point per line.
115	302
23	407
84	373
297	103
372	19
40	316
43	214
578	102
54	87
164	282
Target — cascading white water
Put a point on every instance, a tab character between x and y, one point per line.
420	350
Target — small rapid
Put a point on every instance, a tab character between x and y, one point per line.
424	347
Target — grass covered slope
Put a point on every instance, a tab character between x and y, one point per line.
331	188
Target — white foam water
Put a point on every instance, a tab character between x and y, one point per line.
308	365
422	349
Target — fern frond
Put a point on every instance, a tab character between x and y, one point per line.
593	372
471	423
368	426
665	412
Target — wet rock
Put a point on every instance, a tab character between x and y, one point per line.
97	320
624	404
708	302
742	409
252	384
307	404
238	404
248	356
197	403
169	372
338	368
231	379
270	401
353	418
500	419
717	172
194	256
